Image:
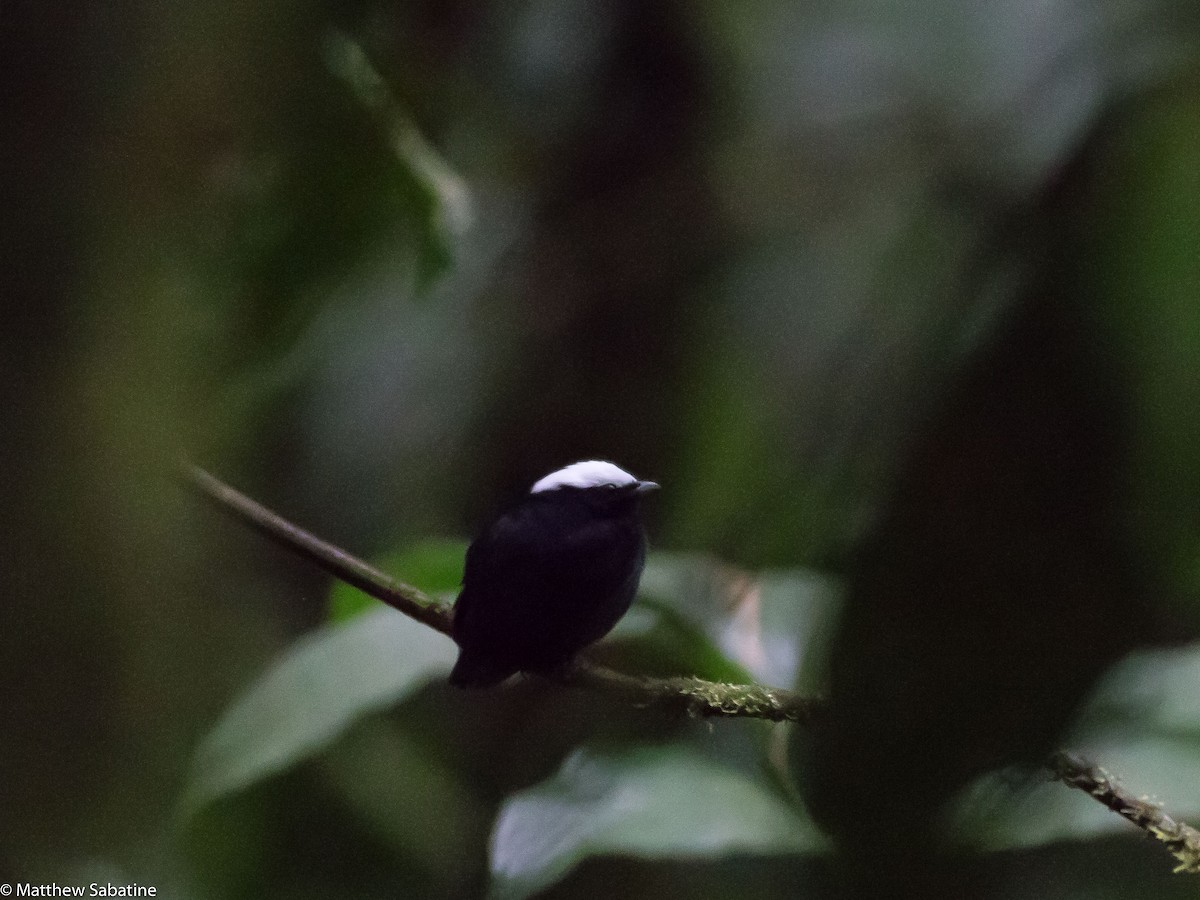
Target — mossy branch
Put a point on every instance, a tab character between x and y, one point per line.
1180	838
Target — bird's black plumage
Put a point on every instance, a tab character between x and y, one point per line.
550	576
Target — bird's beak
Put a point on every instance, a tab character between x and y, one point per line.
646	487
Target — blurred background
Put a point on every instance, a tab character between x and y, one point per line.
899	302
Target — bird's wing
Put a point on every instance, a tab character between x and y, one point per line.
508	541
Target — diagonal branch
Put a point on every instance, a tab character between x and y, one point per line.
337	562
1180	838
691	696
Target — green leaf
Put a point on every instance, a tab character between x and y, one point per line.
434	566
319	688
772	624
663	802
443	196
669	630
1143	727
1143	279
665	643
387	778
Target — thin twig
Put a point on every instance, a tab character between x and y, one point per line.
691	696
1180	838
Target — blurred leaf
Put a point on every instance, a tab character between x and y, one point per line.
1143	727
389	779
320	687
667	643
666	802
768	623
1144	272
443	196
433	566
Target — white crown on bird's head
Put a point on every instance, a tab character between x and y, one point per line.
587	474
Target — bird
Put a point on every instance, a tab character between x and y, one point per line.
551	575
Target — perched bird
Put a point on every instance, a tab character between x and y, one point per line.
550	576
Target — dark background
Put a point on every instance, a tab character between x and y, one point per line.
905	295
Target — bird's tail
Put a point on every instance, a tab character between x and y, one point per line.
474	671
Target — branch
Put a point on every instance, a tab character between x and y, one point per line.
1180	838
698	698
691	696
337	562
